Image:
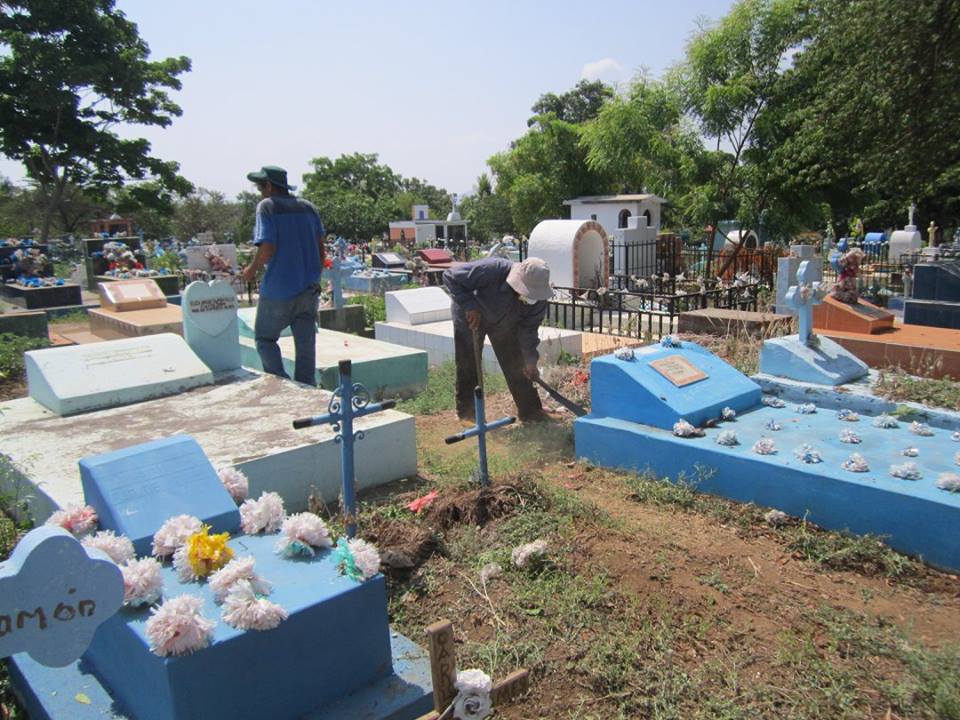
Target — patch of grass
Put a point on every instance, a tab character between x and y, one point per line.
374	308
74	316
440	393
866	554
12	348
897	385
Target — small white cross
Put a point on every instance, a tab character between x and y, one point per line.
802	297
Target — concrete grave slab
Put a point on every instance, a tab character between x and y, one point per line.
81	378
386	369
244	421
417	306
112	325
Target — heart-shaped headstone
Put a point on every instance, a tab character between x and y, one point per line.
211	307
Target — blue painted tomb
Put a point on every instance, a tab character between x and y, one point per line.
137	489
915	517
334	651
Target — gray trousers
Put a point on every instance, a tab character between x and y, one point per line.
504	336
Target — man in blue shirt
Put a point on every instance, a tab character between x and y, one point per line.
506	301
289	239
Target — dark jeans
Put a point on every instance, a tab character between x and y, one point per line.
299	313
506	346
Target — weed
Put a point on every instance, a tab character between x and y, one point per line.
898	385
12	348
374	308
440	393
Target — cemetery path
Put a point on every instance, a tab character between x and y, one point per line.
721	586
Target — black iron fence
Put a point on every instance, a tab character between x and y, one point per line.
639	314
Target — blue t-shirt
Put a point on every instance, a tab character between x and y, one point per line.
293	226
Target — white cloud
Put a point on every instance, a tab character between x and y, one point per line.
607	69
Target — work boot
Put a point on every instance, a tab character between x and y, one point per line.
466	422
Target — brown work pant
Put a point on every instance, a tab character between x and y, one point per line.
504	336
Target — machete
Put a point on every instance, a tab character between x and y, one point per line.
577	410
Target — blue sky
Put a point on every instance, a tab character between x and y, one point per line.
434	88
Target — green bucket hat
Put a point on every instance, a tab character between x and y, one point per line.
270	173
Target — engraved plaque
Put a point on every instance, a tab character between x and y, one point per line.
678	370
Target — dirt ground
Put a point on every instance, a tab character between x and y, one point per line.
730	596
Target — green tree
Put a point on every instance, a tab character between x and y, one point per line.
732	71
486	212
70	73
204	211
874	119
576	106
542	169
357	196
642	142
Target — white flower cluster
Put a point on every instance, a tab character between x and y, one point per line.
473	695
728	438
245	609
949	481
848	415
301	533
807	409
849	436
623	353
910	452
265	514
682	428
728	414
855	463
921	429
805	453
174	533
906	471
764	446
118	548
233	572
178	628
773	401
142	582
235	482
885	422
773	425
776	518
524	555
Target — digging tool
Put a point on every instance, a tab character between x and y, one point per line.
570	405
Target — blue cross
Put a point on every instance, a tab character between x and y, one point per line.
802	297
350	400
480	430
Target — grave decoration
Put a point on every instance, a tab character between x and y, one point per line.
846	289
350	400
30	281
877	490
281	606
805	356
468	694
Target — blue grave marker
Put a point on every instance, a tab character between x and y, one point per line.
480	431
54	594
802	297
350	400
137	489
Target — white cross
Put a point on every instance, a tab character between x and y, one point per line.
802	297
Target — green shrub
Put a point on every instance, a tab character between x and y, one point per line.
12	348
374	308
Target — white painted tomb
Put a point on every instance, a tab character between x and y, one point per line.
417	306
81	378
244	421
436	337
577	251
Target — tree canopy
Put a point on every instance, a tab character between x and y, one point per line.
72	73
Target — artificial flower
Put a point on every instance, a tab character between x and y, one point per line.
178	628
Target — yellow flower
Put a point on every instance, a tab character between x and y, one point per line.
208	553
